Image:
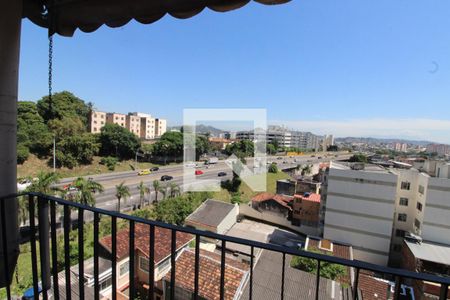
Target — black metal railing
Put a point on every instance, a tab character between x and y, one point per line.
45	234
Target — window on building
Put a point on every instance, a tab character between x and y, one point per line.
400	233
402	217
106	283
95	115
421	189
122	118
95	129
404	201
405	185
144	264
417	223
117	118
419	206
102	122
124	268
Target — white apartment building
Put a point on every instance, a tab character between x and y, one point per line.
374	208
160	127
359	210
284	137
97	120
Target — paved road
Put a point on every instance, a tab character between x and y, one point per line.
107	199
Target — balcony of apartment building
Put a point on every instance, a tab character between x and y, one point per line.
133	260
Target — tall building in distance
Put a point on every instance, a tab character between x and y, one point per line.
142	125
284	137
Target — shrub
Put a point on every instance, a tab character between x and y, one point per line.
110	162
22	153
273	168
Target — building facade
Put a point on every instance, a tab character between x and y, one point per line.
142	125
97	120
384	206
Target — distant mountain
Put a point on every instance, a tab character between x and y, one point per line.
370	140
203	129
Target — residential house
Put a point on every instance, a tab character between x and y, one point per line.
426	257
277	205
162	252
306	210
236	275
213	215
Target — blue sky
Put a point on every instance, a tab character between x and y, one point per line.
348	67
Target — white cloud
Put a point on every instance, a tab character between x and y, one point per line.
417	129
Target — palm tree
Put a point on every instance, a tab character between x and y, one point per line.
86	190
143	189
163	190
157	188
122	192
23	210
44	183
174	189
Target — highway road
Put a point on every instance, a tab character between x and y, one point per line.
107	199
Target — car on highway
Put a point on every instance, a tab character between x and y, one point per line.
279	157
284	162
166	177
198	172
221	174
190	165
154	169
144	172
320	157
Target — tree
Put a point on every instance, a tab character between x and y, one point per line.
22	153
110	162
122	192
143	189
169	147
74	150
174	189
44	183
63	104
306	170
32	133
244	148
86	190
327	270
358	157
118	141
271	149
164	190
156	188
273	168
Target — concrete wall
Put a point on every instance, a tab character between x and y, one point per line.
436	224
359	211
228	221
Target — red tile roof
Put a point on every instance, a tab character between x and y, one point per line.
209	274
163	238
280	199
313	197
373	288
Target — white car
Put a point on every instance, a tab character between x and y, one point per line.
23	184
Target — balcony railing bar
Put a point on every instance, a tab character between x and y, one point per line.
33	246
355	290
151	271
222	270
113	256
81	253
67	224
173	250
197	265
252	254
5	247
131	262
96	254
318	279
54	250
283	264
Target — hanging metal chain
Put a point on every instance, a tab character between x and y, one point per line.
50	67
